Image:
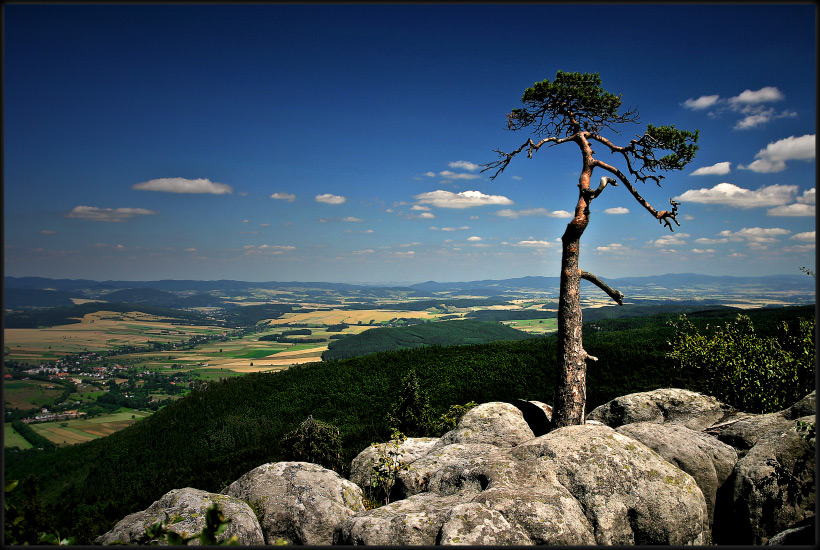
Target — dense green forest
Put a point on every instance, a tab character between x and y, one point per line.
448	333
224	429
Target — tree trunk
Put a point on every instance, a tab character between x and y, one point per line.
570	388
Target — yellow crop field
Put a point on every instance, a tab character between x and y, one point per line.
351	317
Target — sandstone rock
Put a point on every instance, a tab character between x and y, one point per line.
439	462
494	423
773	486
189	505
413	521
474	524
300	502
802	533
411	450
749	428
691	409
804	407
702	456
628	492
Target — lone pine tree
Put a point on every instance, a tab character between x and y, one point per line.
574	108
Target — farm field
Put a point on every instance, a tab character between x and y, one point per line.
534	326
70	432
13	439
27	394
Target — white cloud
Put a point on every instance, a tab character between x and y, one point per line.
808	196
420	207
616	210
755	234
92	213
474	239
773	158
430	174
182	185
462	228
514	214
455	176
807	236
268	249
284	197
719	169
763	95
537	244
703	102
368	251
464	165
704	240
671	240
613	247
426	216
702	251
465	199
729	194
351	219
792	210
329	198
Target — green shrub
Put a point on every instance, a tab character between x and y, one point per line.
753	373
315	441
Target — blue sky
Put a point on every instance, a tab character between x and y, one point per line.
342	143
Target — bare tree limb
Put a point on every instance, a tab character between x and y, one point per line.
531	147
616	295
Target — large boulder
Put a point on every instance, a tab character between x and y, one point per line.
687	408
410	450
299	502
414	521
182	511
772	487
709	461
438	462
628	492
495	423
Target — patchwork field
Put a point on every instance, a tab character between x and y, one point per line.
351	317
535	326
13	439
70	432
27	394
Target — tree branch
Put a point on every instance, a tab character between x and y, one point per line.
616	295
531	148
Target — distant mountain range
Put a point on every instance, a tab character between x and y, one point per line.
669	280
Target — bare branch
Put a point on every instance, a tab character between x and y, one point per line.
616	295
531	147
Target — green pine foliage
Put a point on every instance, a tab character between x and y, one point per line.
314	441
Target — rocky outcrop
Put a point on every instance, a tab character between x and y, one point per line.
687	408
667	467
183	512
709	461
299	502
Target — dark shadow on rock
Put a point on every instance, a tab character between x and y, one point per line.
534	416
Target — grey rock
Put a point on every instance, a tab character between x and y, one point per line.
413	521
773	487
495	423
187	507
687	408
802	533
709	461
804	407
473	523
299	502
629	494
743	433
413	448
427	472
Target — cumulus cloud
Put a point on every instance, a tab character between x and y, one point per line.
462	228
755	234
514	214
730	194
751	103
465	199
458	176
284	197
613	247
773	158
703	102
702	251
329	198
182	185
92	213
268	249
351	219
807	236
671	240
474	239
534	243
367	251
792	210
616	210
464	165
705	240
719	169
808	196
420	207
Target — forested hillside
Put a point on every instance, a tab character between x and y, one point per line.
446	333
224	429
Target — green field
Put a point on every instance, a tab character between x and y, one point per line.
535	326
27	394
13	439
70	432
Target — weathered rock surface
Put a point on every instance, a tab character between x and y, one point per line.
473	524
628	492
299	502
691	409
189	506
709	461
411	450
772	487
495	423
